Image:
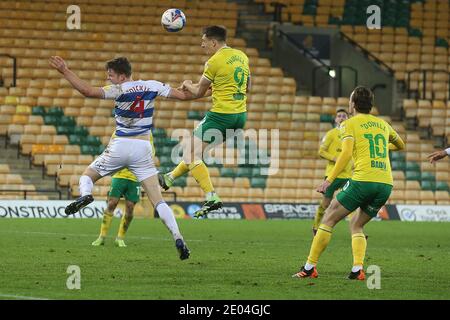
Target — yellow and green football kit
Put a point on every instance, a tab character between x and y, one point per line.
371	183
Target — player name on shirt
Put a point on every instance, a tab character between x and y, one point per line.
139	88
372	124
234	59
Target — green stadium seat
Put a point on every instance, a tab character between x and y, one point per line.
100	149
91	140
326	118
158	141
310	9
51	120
398	165
75	139
80	130
165	161
413	175
165	150
67	121
428	185
334	20
256	172
397	156
412	166
227	172
164	169
428	176
67	130
440	42
258	182
55	111
159	132
415	33
170	142
195	115
442	186
244	172
87	149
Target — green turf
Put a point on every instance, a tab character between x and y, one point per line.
230	260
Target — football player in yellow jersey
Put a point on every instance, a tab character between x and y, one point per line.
367	139
124	183
330	148
227	72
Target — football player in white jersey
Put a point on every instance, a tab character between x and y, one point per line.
130	146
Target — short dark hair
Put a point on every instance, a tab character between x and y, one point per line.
363	99
120	65
341	110
218	33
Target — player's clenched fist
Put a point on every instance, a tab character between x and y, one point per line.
58	63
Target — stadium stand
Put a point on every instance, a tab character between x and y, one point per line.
63	132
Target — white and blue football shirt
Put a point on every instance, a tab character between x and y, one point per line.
135	103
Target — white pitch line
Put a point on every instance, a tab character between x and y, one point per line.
21	297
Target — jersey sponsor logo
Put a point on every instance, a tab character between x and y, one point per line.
378	165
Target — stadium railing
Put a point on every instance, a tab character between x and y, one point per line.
423	75
14	66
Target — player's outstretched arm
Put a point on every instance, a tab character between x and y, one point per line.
397	144
84	88
200	89
178	94
341	163
323	149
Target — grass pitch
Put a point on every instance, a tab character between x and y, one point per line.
230	260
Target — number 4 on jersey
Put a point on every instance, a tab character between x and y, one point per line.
138	106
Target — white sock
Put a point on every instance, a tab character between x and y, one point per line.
167	217
309	266
356	268
86	185
209	195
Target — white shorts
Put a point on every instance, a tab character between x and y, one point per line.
134	154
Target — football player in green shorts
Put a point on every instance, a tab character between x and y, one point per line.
125	184
227	73
368	140
330	148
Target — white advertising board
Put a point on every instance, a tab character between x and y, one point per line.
423	213
47	209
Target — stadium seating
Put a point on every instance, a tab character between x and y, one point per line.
415	35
